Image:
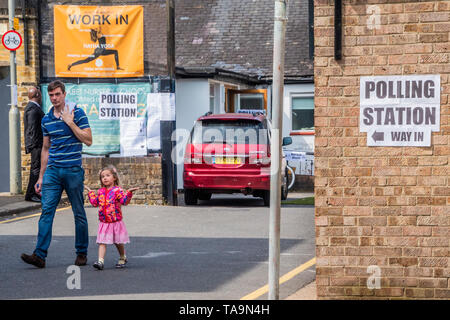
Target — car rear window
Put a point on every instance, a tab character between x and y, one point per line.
230	132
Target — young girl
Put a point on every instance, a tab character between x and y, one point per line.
111	228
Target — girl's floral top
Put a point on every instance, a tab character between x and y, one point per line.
109	202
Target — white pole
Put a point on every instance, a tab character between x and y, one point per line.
277	124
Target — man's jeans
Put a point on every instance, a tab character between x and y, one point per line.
54	182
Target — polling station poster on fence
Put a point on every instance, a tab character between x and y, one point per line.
99	41
117	115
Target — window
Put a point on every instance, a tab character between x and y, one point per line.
302	113
250	101
229	131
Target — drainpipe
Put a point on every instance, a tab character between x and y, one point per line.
25	32
338	29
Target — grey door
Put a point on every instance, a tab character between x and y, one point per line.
5	99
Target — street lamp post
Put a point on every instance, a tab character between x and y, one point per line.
15	163
275	160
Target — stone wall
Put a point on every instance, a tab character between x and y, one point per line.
382	213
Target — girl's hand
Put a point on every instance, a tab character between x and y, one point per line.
87	188
133	189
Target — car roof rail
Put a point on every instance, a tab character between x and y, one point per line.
207	114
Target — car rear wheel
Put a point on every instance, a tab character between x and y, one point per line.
190	197
204	196
266	198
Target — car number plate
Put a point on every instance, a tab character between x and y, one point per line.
226	161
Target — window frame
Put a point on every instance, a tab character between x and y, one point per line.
234	94
212	86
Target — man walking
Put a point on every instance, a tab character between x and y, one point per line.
32	118
65	129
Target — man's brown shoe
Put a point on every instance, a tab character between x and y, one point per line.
81	260
34	260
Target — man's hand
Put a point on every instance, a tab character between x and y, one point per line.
67	116
84	135
38	186
87	189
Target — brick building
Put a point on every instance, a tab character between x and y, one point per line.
382	212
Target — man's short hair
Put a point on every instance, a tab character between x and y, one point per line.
56	84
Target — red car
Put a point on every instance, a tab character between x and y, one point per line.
230	153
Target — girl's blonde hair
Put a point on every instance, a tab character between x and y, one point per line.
111	169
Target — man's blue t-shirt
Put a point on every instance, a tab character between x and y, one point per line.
65	150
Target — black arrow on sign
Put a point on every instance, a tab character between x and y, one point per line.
378	136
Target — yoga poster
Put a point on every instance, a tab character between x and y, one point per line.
99	41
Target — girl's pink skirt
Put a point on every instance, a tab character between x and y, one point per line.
114	232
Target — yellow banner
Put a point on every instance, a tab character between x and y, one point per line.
99	41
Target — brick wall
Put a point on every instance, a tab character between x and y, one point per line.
142	172
382	206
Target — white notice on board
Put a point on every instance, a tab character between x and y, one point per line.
153	119
167	106
133	137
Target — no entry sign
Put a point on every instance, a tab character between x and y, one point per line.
12	40
400	110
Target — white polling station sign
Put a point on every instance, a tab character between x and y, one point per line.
116	106
400	110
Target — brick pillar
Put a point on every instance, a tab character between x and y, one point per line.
386	207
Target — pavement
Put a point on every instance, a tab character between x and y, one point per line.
11	205
14	205
308	292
